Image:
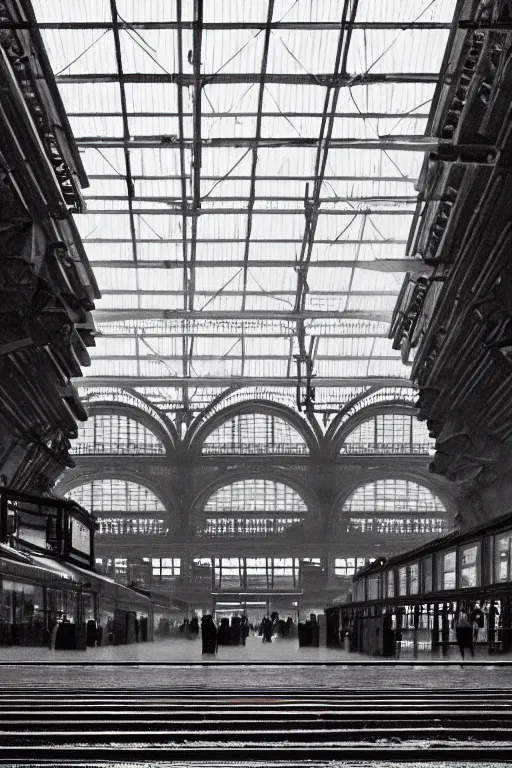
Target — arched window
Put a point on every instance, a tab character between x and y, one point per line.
389	433
122	508
255	433
113	433
253	507
392	507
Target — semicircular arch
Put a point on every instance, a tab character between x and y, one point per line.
124	504
253	504
121	396
120	429
370	414
395	495
254	407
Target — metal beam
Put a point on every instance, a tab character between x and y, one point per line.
324	79
104	315
176	211
411	143
172	200
274	358
234	115
246	381
298	25
375	265
234	177
269	294
273	241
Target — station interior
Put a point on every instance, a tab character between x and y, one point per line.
255	343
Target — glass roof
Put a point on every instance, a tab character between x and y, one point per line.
252	168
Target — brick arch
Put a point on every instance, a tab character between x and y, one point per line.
279	411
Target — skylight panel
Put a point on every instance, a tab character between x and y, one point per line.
55	11
393	50
103	225
302	52
157	250
231	50
91	97
399	11
109	252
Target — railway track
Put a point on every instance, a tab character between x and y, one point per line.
75	724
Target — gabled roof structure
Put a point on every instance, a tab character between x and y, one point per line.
252	168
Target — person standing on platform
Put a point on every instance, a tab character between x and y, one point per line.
209	634
464	632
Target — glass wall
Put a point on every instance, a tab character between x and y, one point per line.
251	508
241	573
112	433
389	433
255	433
122	508
391	507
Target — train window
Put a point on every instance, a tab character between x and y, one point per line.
359	590
503	554
391	583
469	566
414	579
446	573
426	567
373	588
402	581
348	566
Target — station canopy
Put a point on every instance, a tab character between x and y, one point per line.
252	168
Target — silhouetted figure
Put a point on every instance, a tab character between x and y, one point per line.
209	634
194	625
464	633
266	626
223	634
244	629
235	635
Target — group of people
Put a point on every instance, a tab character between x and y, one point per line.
236	634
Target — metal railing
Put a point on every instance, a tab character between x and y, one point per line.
116	449
387	448
240	449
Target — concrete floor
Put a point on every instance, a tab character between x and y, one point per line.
178	663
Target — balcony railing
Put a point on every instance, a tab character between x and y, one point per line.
89	448
250	449
386	448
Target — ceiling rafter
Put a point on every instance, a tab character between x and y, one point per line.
126	131
254	161
223	124
321	79
183	181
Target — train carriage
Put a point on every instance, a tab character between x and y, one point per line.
410	602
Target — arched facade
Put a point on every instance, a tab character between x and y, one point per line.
237	509
385	430
255	434
256	427
250	507
123	508
391	507
116	432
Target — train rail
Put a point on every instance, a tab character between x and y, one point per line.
90	725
